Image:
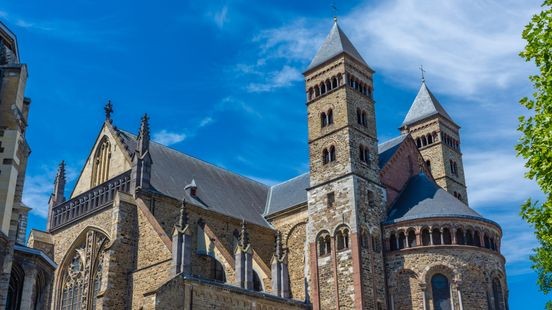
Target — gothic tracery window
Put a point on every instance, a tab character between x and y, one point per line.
82	274
100	168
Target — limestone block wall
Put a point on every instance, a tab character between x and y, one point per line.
293	226
180	293
220	231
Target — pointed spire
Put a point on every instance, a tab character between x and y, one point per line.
59	184
244	235
336	43
144	135
108	108
425	105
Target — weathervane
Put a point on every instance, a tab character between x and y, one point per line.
334	9
423	71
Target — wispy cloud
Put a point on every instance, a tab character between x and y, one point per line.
496	177
39	186
221	16
276	79
168	138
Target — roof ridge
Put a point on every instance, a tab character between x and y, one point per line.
226	170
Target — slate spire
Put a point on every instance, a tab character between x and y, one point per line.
59	184
423	106
335	43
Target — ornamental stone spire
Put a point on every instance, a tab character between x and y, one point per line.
144	135
182	244
279	268
58	194
244	260
141	160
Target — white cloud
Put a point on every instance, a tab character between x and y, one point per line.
221	16
206	121
277	79
465	46
496	177
168	138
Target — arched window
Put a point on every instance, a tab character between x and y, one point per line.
493	244
325	156
334	82
418	142
424	141
311	93
411	238
369	91
455	169
322	88
257	284
451	166
324	244
393	242
342	238
486	241
365	241
477	239
217	271
81	274
328	85
436	235
460	236
339	79
330	116
469	237
359	117
371	199
316	91
440	290
498	296
323	120
364	154
429	139
15	288
428	164
447	238
100	164
426	238
364	119
402	240
332	153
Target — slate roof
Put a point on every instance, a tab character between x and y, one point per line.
388	148
288	194
336	43
218	190
425	105
293	192
423	198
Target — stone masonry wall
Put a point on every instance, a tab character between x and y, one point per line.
468	269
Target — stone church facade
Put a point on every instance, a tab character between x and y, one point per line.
370	226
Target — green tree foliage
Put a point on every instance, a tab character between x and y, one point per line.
535	145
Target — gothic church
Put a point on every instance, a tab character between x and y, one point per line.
372	225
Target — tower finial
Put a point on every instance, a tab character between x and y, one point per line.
423	71
108	108
334	9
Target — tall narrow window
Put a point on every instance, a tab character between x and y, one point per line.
342	238
498	295
364	119
325	156
411	239
332	153
359	117
100	164
330	116
323	120
331	199
440	289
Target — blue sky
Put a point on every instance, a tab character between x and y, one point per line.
222	81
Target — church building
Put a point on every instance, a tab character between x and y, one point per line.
372	224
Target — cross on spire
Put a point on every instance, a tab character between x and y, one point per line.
423	71
334	10
108	108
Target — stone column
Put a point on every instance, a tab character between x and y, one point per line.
418	237
29	286
442	237
453	236
431	236
423	287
